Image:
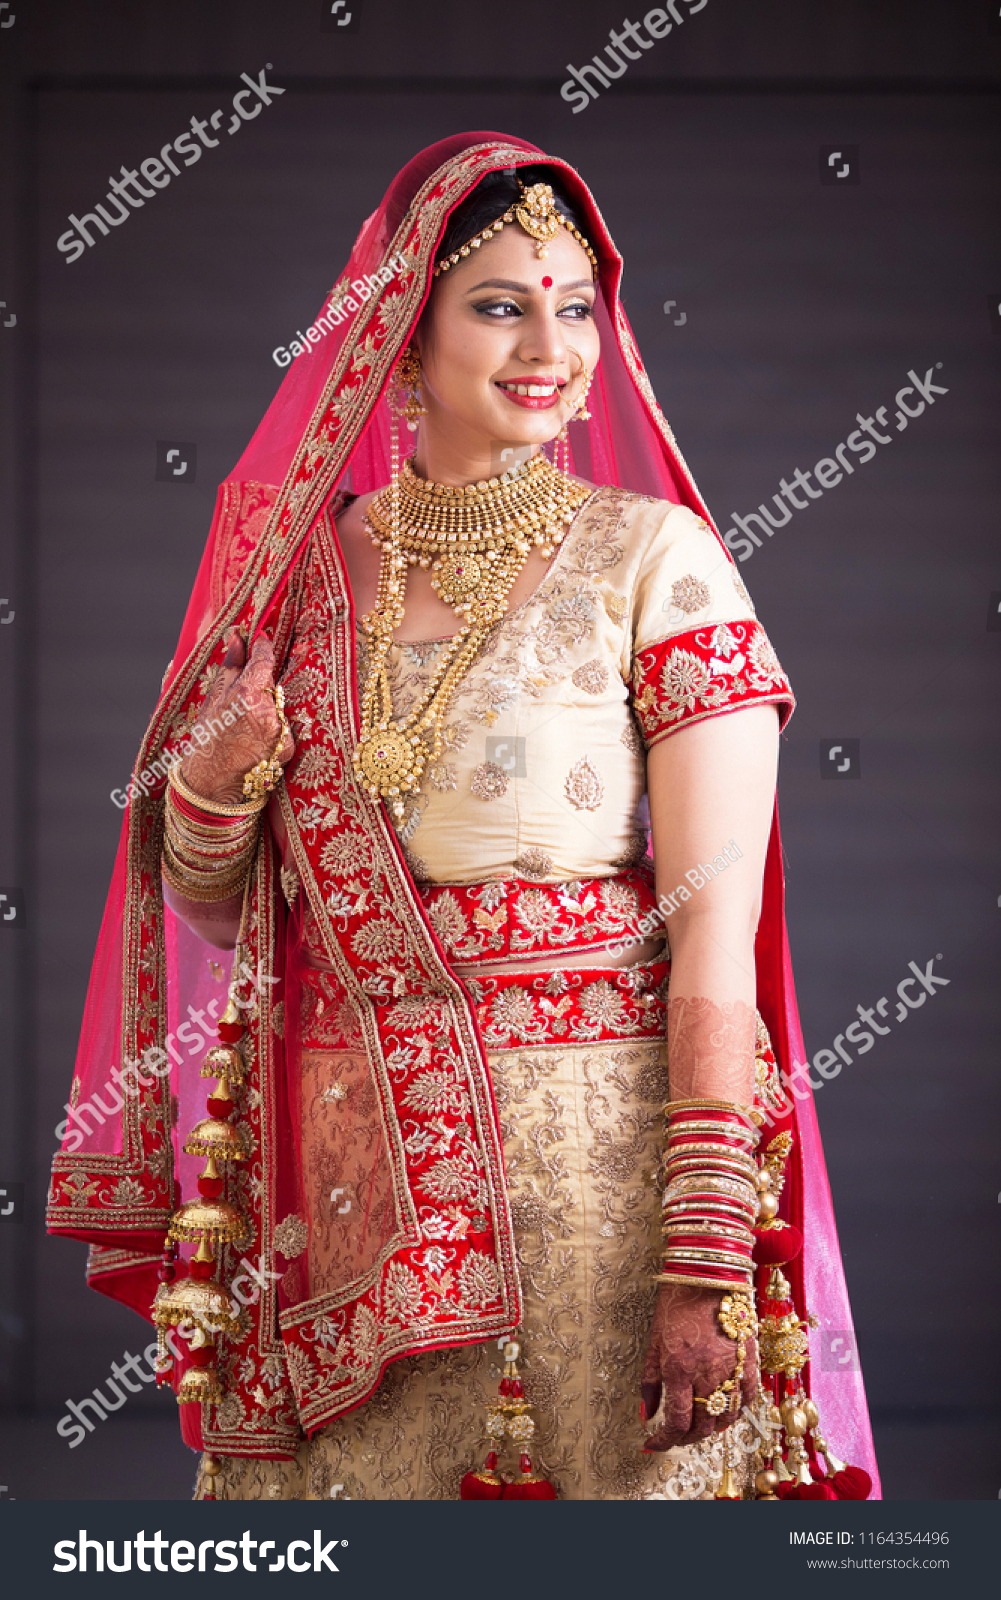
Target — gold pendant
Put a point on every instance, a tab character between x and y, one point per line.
388	760
456	577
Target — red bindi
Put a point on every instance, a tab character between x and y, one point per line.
547	283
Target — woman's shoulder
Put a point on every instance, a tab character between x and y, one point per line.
645	528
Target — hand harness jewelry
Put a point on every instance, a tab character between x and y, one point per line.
476	541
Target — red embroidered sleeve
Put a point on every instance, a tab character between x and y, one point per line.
704	672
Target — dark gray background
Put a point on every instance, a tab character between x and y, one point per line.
805	304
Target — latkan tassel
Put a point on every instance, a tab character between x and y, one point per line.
530	1486
485	1484
507	1417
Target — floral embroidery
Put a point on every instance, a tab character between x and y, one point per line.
536	911
631	738
533	863
403	1295
477	1280
489	781
290	884
627	1005
447	919
704	671
491	921
592	677
584	787
443	777
690	593
380	942
291	1237
764	661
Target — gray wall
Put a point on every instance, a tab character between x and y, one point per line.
804	304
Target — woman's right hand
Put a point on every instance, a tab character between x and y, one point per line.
216	768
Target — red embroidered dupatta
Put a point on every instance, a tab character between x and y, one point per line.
335	1305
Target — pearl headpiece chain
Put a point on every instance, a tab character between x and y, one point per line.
536	213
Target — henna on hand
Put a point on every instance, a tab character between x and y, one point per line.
246	689
689	1354
710	1049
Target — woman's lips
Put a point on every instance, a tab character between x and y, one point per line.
532	396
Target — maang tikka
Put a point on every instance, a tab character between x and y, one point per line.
408	373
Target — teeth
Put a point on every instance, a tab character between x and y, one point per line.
535	391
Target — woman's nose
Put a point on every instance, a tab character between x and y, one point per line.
543	343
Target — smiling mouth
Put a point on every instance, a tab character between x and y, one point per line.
531	391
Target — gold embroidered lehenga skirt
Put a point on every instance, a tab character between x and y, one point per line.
581	1116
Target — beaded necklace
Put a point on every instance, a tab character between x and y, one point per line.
475	540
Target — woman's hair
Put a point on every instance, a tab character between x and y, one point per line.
494	195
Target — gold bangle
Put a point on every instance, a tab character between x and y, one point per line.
714	1105
215	808
727	1285
192	889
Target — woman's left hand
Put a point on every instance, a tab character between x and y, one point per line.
688	1355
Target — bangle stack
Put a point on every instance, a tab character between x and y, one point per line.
207	847
710	1200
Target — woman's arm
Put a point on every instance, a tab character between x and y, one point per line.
712	792
216	771
217	922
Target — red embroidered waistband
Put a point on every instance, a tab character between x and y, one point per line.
594	1005
508	919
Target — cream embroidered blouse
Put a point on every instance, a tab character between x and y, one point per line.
640	626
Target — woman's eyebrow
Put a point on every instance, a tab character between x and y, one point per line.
524	288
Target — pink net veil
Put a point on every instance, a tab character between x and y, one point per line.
276	489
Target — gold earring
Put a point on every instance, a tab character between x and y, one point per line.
580	412
409	375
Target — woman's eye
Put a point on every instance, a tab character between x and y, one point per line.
499	308
577	310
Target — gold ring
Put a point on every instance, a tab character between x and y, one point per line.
266	775
717	1402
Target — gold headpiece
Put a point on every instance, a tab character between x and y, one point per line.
536	213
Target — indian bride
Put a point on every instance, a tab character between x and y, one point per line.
486	1165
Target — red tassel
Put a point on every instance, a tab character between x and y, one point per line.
529	1486
483	1485
852	1483
777	1244
810	1491
529	1489
230	1032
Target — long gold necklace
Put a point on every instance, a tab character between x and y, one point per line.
476	541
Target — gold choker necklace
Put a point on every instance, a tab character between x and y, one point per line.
476	541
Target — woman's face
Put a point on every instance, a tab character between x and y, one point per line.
496	346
